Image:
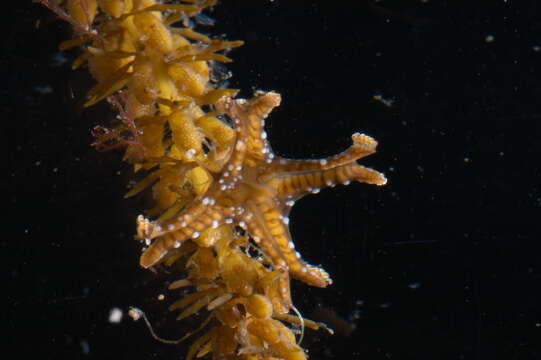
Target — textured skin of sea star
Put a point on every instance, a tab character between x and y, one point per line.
256	189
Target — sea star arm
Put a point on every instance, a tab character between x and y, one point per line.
293	186
269	229
258	147
171	234
294	178
363	145
247	117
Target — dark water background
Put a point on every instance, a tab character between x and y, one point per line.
442	263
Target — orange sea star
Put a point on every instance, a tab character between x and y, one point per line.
255	189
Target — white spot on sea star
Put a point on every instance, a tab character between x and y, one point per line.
240	145
190	153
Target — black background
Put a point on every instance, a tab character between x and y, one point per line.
442	263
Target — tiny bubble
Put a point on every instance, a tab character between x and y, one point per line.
115	315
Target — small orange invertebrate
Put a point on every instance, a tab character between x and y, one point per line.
256	189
